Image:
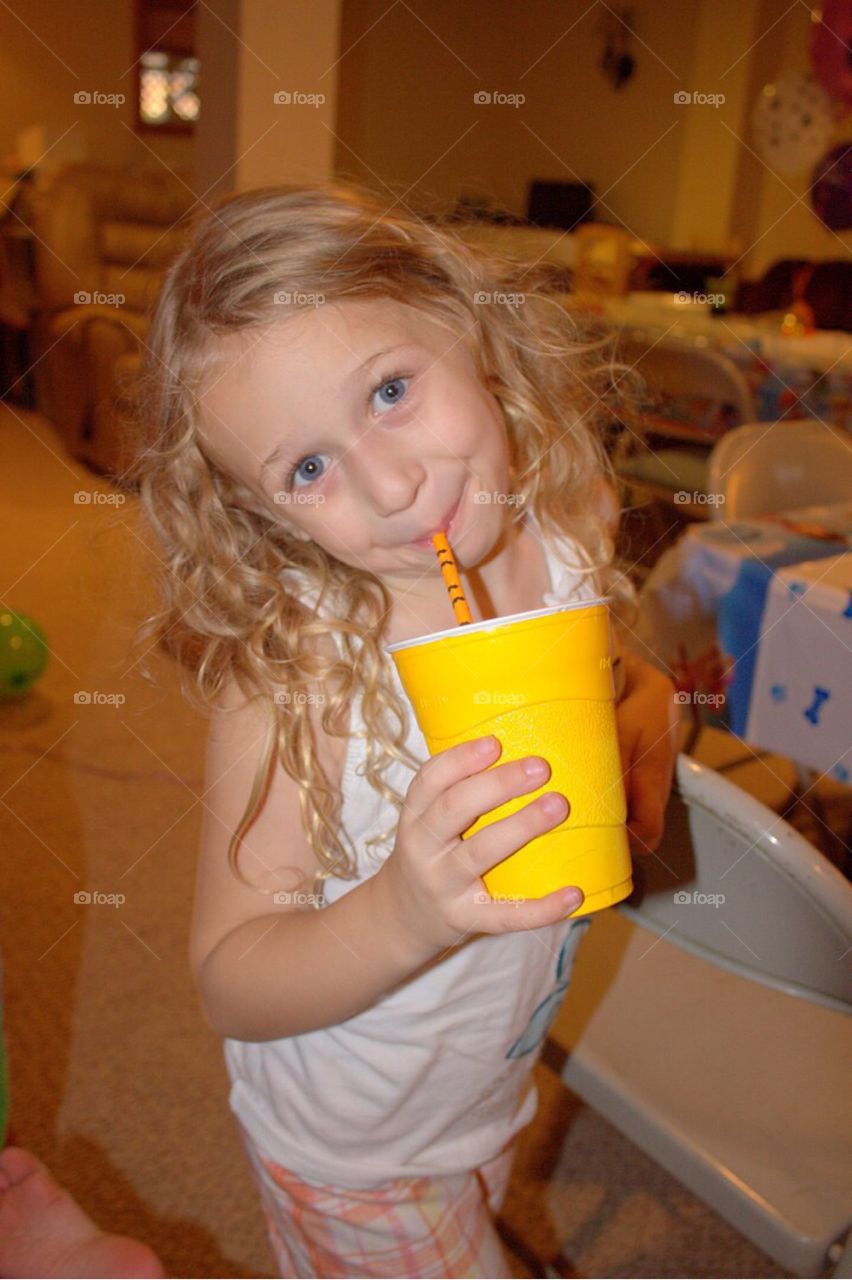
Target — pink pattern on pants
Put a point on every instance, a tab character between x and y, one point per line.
413	1227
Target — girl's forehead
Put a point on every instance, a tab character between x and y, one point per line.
340	331
363	321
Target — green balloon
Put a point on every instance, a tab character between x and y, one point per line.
23	653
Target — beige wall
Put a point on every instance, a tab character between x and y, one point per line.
704	185
284	47
785	225
673	174
58	47
288	48
405	121
419	127
216	131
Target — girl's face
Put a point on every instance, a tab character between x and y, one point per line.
363	426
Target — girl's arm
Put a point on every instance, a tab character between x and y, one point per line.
287	972
264	968
648	732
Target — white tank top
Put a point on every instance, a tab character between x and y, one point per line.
435	1078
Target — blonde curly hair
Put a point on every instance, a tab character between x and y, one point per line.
227	611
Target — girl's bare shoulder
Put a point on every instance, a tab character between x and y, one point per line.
275	853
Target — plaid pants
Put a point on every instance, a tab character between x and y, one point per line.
412	1227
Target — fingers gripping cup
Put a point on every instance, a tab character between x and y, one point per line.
542	683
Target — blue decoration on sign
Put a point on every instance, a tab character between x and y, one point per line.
847	612
841	772
740	616
778	693
543	1015
797	588
812	713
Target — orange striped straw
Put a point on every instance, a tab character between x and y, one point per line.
451	578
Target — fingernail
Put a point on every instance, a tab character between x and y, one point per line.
573	899
534	768
486	746
554	804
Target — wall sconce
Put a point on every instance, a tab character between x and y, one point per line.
618	63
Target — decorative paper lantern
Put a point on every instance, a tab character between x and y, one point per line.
792	122
831	188
831	49
23	653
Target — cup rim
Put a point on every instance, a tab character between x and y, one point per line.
477	628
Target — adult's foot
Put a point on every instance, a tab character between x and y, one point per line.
44	1232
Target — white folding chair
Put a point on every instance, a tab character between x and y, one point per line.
666	455
716	1034
777	466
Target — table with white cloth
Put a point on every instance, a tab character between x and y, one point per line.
790	376
775	594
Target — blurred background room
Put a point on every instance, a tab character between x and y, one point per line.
687	170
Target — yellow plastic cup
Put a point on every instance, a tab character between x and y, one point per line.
542	683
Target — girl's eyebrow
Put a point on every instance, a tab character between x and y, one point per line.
355	373
278	452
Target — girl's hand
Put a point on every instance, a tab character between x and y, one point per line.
648	725
433	877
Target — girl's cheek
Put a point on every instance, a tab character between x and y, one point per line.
460	419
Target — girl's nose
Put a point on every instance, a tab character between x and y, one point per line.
390	479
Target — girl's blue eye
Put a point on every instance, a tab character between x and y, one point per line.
389	393
310	460
385	396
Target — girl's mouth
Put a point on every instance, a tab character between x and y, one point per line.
446	527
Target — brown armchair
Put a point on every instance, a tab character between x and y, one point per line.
104	237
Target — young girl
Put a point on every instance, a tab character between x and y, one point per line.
329	384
